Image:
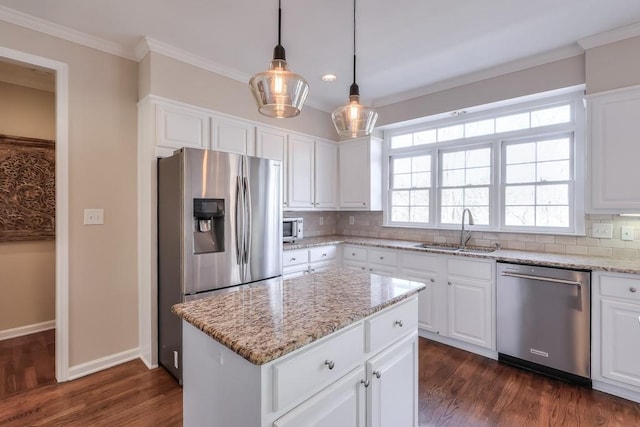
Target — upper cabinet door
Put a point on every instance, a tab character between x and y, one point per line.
272	144
614	174
233	136
301	163
326	174
360	162
178	127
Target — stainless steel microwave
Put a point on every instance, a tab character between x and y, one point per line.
292	229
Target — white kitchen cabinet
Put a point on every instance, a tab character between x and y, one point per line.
300	262
232	135
424	268
272	144
179	126
366	372
300	158
616	334
376	261
613	138
393	388
341	405
325	175
360	166
312	165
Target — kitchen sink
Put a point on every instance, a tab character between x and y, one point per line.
457	249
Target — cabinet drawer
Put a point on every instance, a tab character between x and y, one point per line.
390	325
322	253
621	287
300	376
378	256
420	262
295	257
477	269
354	253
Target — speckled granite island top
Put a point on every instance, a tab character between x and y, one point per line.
269	319
577	262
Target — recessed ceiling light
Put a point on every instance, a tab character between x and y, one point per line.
329	78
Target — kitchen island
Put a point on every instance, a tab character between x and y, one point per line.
335	348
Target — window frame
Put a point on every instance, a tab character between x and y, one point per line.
497	141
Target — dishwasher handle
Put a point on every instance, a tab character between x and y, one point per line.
541	278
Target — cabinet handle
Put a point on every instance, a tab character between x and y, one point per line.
381	257
324	254
329	363
311	203
634	290
313	270
449	283
365	383
292	259
377	374
371	269
399	323
432	280
362	268
364	203
353	254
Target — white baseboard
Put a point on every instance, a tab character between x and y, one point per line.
146	362
27	330
103	363
616	390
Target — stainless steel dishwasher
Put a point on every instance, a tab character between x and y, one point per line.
544	320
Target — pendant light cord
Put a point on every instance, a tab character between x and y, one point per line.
354	41
280	20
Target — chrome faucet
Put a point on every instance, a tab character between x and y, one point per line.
465	235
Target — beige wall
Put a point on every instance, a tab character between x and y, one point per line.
103	289
206	89
613	66
555	75
27	288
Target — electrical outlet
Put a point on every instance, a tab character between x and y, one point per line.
352	220
321	220
93	216
626	233
602	231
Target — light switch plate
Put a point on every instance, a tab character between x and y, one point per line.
626	233
602	231
94	216
351	220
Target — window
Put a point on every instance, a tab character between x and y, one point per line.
410	189
538	180
517	168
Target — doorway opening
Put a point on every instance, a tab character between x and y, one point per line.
35	336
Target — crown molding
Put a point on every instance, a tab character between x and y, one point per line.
148	44
488	73
40	25
611	36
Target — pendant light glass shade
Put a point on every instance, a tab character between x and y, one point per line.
354	120
279	92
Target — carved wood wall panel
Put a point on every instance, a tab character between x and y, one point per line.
27	189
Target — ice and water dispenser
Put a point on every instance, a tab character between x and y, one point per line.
208	219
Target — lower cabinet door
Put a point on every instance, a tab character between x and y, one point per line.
393	388
621	341
470	307
342	404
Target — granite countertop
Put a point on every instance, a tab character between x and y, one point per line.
577	262
269	319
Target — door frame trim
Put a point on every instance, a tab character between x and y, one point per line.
62	200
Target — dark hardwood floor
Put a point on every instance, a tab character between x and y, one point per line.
456	389
27	362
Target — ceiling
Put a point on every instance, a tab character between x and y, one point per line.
404	47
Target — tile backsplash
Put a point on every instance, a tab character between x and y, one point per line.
369	224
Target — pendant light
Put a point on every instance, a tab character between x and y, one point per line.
354	120
279	92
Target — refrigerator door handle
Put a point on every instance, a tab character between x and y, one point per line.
249	219
239	215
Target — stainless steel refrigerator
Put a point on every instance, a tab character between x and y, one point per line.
219	225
